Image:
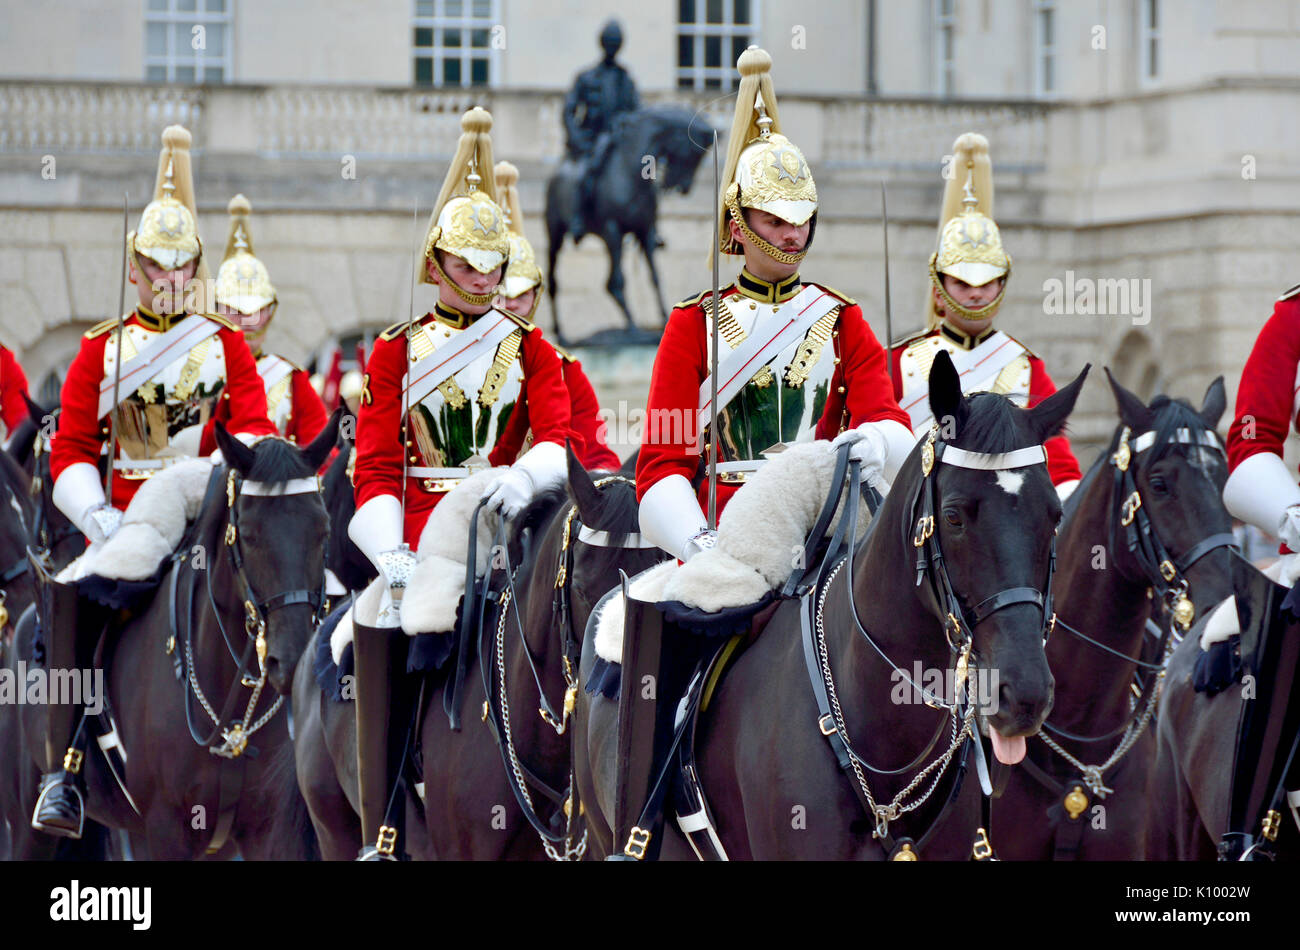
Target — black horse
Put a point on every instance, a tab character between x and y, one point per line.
657	145
764	756
470	810
1173	541
1200	753
261	544
343	557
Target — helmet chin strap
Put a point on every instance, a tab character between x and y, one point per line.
474	300
781	257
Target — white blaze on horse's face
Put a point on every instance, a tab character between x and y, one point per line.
1010	481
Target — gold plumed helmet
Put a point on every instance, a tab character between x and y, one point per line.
466	220
522	273
970	244
351	384
243	282
167	232
764	169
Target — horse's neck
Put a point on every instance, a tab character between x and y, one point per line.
216	605
890	608
1095	597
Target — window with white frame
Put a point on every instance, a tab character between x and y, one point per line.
945	42
1045	27
452	42
1149	38
711	35
187	41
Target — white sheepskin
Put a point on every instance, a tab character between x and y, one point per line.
438	582
152	526
762	532
647	586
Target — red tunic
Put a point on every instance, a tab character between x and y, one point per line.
308	416
1062	466
1266	398
13	384
543	406
82	431
588	430
681	367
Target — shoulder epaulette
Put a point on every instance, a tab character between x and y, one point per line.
527	325
835	293
1290	293
223	321
906	341
564	354
393	332
1032	354
100	328
692	301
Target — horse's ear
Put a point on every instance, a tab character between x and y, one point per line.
319	449
1048	417
945	392
1216	400
1132	410
584	491
35	411
237	455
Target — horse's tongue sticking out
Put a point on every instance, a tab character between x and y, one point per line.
1007	751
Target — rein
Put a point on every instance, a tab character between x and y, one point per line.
496	706
234	739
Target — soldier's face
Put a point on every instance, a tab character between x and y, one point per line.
520	306
780	233
465	277
254	324
971	297
162	291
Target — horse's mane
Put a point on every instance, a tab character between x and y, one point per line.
23	439
13	475
277	460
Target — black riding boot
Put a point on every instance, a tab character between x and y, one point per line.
60	808
659	661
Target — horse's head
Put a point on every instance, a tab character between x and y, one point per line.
605	538
995	514
1169	455
278	545
679	140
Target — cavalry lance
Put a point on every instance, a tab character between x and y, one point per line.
117	361
713	357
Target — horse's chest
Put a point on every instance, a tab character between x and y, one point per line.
466	413
785	396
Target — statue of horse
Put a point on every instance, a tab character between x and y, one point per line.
654	147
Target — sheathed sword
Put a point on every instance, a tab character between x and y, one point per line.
117	361
889	314
713	357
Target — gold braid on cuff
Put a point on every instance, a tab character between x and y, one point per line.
985	312
474	300
781	257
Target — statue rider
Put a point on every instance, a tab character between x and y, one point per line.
598	95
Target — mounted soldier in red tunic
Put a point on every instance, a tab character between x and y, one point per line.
797	362
13	386
181	369
968	279
438	396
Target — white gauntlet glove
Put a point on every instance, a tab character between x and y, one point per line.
1289	530
101	522
509	493
869	448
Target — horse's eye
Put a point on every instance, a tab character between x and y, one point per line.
1159	487
952	516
